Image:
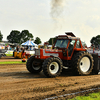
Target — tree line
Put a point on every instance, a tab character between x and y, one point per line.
95	41
16	36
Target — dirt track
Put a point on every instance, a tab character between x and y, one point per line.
16	83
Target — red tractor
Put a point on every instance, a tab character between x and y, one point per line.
67	52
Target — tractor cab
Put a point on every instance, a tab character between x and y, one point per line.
64	47
68	44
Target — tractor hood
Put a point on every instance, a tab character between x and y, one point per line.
45	53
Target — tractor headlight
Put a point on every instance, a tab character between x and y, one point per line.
37	52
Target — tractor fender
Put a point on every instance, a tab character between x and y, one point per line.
51	56
56	57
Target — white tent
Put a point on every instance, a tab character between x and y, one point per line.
28	43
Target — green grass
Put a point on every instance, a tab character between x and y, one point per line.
12	62
9	54
91	96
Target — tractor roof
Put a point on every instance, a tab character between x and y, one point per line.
69	35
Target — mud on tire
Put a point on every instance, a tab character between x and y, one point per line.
52	67
82	63
31	67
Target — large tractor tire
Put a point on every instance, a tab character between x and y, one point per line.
82	63
32	67
52	67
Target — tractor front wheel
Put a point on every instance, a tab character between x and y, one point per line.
33	66
52	67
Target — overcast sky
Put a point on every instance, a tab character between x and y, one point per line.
49	18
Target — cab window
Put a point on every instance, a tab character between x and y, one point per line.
71	46
78	44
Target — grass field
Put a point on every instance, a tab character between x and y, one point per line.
9	54
12	62
91	96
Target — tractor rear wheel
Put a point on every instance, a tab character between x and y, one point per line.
52	67
32	67
82	63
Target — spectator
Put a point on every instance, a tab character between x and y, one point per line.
10	48
17	48
27	48
23	53
14	48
